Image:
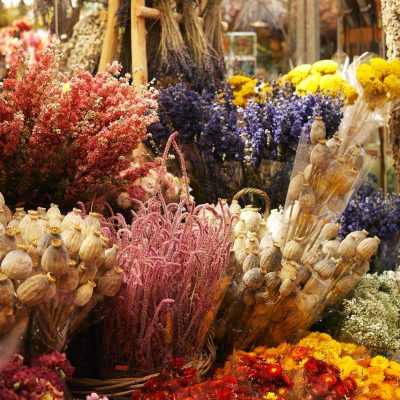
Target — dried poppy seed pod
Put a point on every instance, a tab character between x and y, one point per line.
110	283
55	259
8	242
320	155
308	173
329	231
352	154
41	211
17	264
91	223
272	281
363	268
53	211
235	208
240	242
262	230
333	143
35	289
250	262
303	275
252	220
70	281
3	219
359	236
7	319
335	172
266	242
14	223
84	293
110	259
367	248
253	279
325	268
318	130
262	297
271	259
45	241
331	247
73	240
347	248
6	290
307	199
347	182
252	244
239	227
33	253
293	250
91	248
240	256
287	287
33	230
289	270
310	258
73	218
2	200
295	186
54	222
87	272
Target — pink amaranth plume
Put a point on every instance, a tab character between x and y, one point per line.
174	261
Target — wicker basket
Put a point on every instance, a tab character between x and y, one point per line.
255	192
123	387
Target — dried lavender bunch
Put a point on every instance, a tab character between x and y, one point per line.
374	295
379	214
175	261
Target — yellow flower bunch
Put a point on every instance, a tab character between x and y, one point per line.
380	80
245	89
321	77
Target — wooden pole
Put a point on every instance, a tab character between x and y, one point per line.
111	36
138	43
382	166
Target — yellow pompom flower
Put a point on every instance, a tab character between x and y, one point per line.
394	67
393	370
392	86
308	85
248	89
239	101
375	375
325	67
380	67
332	84
270	396
380	362
237	81
297	74
350	93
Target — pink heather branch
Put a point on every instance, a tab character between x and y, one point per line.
174	260
69	137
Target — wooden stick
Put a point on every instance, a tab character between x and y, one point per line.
138	43
110	44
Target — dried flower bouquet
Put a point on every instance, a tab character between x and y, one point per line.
175	263
69	137
54	268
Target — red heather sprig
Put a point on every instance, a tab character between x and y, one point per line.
174	261
69	137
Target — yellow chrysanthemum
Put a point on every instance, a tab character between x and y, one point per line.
239	101
368	80
237	81
308	85
325	67
248	89
380	362
392	86
297	74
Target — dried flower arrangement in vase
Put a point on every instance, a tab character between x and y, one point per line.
175	263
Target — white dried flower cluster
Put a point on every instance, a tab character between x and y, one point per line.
372	316
84	46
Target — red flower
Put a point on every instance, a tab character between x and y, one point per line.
328	379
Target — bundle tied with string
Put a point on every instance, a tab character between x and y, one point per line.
175	261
